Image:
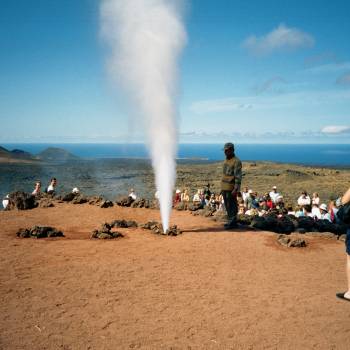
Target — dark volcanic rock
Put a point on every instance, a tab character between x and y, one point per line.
158	228
285	225
80	199
106	204
68	197
124	201
181	206
306	223
259	222
140	203
105	232
39	232
290	242
194	207
21	201
244	219
45	203
124	223
95	200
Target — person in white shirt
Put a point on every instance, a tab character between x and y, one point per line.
274	194
245	193
315	199
197	197
316	213
37	189
6	201
132	194
52	186
304	199
324	212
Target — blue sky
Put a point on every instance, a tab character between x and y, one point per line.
252	71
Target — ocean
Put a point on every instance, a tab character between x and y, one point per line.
337	155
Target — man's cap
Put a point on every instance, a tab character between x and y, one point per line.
323	207
250	191
229	145
178	191
274	188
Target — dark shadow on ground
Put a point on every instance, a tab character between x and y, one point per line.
218	229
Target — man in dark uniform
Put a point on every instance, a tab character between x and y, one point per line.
231	184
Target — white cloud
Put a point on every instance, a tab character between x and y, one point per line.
280	38
219	105
269	102
329	68
336	129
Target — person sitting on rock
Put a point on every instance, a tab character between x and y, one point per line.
37	189
274	194
307	211
324	212
197	197
252	202
279	202
245	193
185	197
177	198
299	212
269	202
304	199
315	199
315	211
6	202
212	202
132	194
52	187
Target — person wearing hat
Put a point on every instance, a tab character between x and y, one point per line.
346	295
177	198
324	212
274	194
231	184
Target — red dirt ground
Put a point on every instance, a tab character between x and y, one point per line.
204	289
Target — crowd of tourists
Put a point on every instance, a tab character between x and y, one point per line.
251	203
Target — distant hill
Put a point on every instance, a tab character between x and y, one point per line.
53	154
14	155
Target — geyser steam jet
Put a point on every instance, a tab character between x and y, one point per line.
146	38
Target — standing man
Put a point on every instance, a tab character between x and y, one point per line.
231	184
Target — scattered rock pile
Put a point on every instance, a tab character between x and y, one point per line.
291	242
157	228
106	232
39	232
288	224
106	204
124	201
21	201
206	212
123	223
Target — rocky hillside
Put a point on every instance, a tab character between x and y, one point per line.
14	155
53	154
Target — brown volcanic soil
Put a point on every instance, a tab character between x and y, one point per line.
204	289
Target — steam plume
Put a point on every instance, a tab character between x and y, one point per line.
146	38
